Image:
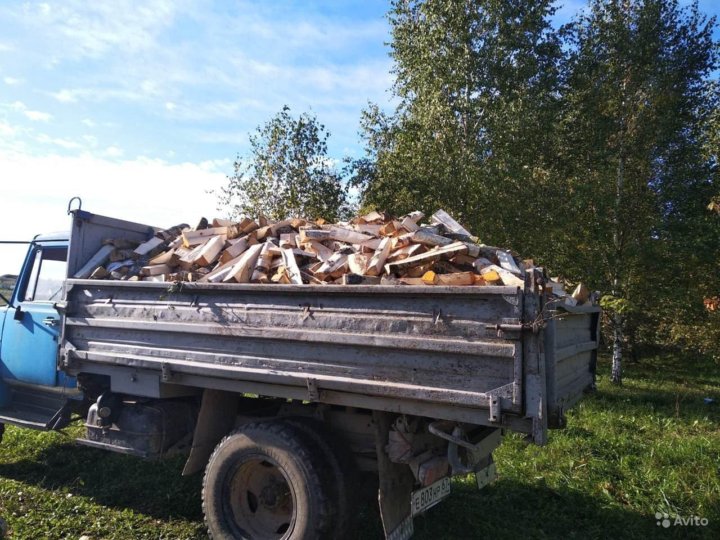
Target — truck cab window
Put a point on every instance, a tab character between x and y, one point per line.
48	272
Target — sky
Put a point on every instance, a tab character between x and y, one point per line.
140	108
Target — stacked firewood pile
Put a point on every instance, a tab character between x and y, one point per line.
371	249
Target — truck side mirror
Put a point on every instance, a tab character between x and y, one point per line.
19	314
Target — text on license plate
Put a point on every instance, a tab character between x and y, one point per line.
429	496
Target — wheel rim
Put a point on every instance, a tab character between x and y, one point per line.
262	500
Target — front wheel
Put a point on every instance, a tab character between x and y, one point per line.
267	481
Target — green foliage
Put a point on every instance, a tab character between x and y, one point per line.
288	173
614	304
477	88
626	453
634	127
592	149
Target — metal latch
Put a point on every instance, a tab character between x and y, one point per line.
495	409
313	392
166	373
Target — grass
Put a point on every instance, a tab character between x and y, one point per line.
650	446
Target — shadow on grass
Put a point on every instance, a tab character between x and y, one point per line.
505	509
512	509
153	488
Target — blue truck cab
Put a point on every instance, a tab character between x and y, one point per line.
34	393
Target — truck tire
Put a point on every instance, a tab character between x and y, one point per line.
344	476
267	480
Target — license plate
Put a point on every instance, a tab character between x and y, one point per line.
429	496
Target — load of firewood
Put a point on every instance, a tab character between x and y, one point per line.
371	249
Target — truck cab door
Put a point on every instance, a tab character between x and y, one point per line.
29	347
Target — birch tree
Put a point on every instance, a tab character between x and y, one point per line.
632	121
288	173
477	90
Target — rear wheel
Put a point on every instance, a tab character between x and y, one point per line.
266	481
339	464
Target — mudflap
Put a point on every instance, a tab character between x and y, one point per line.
215	420
396	484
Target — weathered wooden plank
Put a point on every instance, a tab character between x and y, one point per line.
405	252
508	278
100	258
430	256
241	271
155	270
292	270
146	248
210	251
377	262
334	263
166	257
187	261
450	224
358	263
193	238
508	262
358	279
429	238
235	250
455	279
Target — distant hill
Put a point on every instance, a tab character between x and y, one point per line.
7	284
8	281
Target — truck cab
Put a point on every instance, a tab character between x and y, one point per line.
33	392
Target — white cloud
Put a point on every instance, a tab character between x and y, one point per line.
66	96
12	81
170	106
6	130
113	152
94	29
66	144
38	116
91	140
136	190
35	116
88	122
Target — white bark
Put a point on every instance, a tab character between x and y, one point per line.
616	374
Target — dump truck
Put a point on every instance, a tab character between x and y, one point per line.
281	395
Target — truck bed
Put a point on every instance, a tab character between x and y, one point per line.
469	354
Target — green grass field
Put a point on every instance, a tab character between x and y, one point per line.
651	446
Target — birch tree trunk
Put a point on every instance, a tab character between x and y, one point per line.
616	373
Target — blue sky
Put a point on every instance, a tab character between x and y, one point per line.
184	80
141	107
